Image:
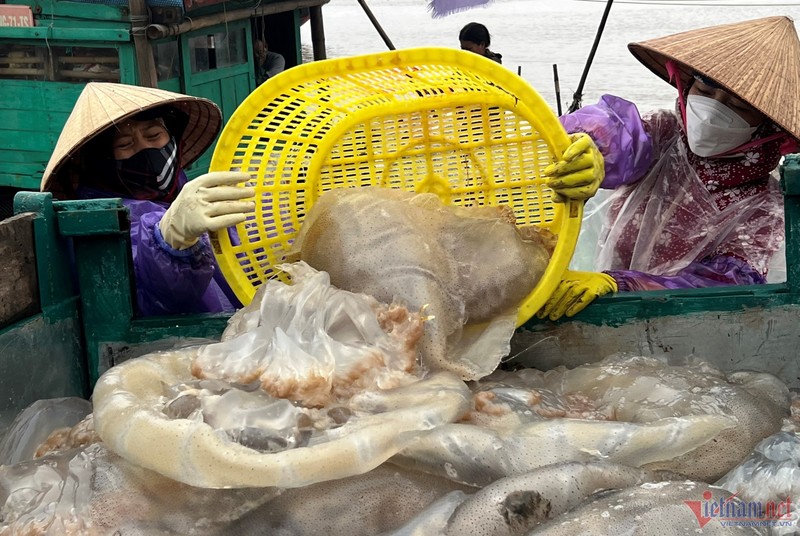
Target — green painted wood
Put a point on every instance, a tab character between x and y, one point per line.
42	358
31	120
32	141
128	73
790	184
99	229
147	335
56	97
80	10
52	253
109	216
104	273
32	115
251	79
66	34
16	171
209	77
63	24
22	182
173	84
43	355
22	157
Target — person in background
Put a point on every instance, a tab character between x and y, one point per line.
696	199
267	62
475	38
133	142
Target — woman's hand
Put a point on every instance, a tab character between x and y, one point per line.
208	203
579	172
575	291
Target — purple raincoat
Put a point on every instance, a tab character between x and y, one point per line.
170	281
673	222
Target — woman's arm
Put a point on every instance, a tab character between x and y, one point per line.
168	281
619	132
716	271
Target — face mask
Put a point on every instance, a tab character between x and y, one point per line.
712	128
151	173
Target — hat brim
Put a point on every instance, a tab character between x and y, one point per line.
203	125
757	61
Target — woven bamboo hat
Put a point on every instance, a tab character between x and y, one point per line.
756	60
101	105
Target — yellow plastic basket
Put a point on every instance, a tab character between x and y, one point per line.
425	119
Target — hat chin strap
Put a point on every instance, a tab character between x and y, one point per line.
674	75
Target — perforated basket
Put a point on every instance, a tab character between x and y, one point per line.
426	119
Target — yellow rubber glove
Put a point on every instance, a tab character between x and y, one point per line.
579	172
208	203
576	291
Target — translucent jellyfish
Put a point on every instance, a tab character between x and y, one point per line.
770	477
690	419
48	420
311	383
670	508
468	268
92	491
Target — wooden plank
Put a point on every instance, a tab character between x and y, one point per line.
214	75
142	47
210	90
173	84
34	95
76	9
80	10
763	339
62	23
28	159
20	181
32	120
127	64
68	34
19	291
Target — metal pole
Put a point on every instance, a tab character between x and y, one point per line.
558	88
317	33
578	96
376	24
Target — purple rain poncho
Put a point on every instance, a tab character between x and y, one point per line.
677	220
170	281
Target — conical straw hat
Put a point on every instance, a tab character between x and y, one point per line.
101	105
757	60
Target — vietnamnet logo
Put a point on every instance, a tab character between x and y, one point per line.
737	513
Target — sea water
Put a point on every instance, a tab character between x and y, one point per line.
533	35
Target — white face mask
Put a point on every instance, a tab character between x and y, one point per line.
712	128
